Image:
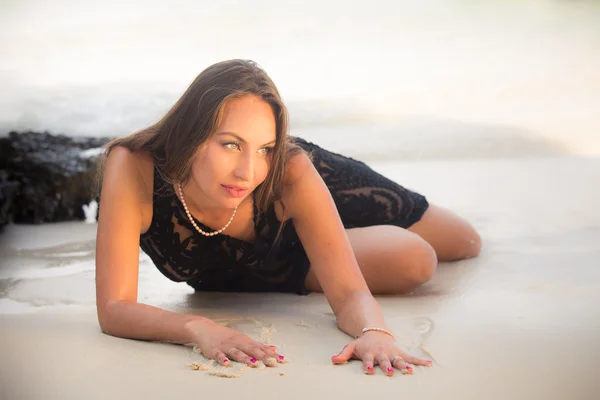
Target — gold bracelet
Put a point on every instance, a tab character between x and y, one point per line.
364	330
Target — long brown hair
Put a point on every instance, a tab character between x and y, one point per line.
175	139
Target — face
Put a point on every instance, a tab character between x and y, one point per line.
235	160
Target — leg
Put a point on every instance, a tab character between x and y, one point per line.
396	260
451	237
392	259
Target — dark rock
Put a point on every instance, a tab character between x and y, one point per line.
8	193
46	178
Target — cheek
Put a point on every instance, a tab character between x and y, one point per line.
202	171
209	165
199	176
263	172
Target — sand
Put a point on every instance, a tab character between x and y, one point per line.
521	321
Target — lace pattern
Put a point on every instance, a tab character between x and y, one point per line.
270	263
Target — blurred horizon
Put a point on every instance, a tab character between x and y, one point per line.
377	80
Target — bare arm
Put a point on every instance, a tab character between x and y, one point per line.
117	260
316	219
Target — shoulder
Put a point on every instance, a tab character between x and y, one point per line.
296	168
131	160
303	185
131	166
129	176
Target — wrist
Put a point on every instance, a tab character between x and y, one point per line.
373	331
194	327
360	311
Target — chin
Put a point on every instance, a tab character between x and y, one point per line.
232	203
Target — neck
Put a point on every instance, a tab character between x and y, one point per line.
200	205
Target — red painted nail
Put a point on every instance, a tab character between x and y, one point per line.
408	367
390	369
370	368
281	357
253	360
225	361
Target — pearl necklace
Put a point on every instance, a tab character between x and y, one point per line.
194	222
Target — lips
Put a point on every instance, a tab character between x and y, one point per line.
235	191
236	187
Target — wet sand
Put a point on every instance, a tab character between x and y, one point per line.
520	321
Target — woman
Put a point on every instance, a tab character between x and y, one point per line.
220	197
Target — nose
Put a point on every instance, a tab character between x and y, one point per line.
245	167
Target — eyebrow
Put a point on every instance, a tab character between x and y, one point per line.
242	139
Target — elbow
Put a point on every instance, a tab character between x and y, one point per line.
105	311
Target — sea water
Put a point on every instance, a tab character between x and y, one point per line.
377	80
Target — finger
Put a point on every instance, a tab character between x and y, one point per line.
253	351
344	355
271	352
398	362
416	361
385	365
241	357
368	364
222	359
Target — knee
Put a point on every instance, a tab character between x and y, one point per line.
464	243
422	262
473	246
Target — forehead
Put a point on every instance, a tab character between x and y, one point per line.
247	115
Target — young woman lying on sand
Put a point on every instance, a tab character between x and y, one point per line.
219	196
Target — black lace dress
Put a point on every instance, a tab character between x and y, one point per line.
270	263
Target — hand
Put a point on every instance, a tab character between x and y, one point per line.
378	348
221	343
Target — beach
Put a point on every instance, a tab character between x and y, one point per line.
489	109
519	321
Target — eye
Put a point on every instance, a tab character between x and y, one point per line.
266	150
232	145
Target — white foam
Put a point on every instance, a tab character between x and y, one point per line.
36	272
116	68
90	211
8	306
91	152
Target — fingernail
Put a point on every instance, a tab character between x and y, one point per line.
408	367
272	347
253	360
370	368
390	369
429	363
281	357
225	361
